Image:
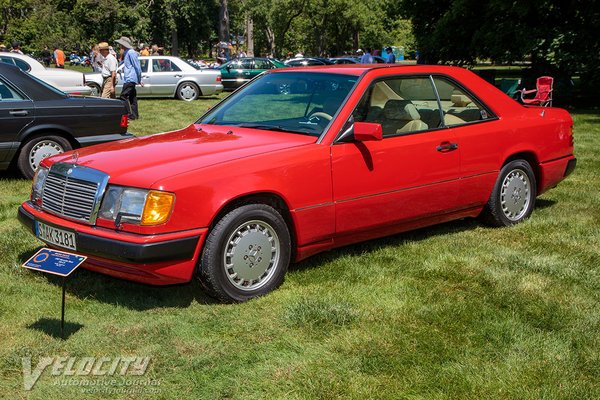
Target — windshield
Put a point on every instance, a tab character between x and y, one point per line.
296	102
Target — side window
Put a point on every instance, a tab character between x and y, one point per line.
459	107
164	65
8	94
23	66
144	65
7	60
400	105
262	64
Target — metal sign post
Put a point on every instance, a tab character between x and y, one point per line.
57	263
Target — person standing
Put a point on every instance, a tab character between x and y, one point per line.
367	58
391	58
16	48
96	58
132	76
46	56
59	57
144	50
109	71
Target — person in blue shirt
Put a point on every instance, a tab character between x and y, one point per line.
367	58
132	75
391	58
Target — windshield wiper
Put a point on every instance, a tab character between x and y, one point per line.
278	128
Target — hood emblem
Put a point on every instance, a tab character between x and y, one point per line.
75	157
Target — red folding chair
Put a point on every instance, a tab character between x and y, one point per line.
543	92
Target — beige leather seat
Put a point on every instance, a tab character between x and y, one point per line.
401	116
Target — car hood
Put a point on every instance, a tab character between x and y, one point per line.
142	162
57	73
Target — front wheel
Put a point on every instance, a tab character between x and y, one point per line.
188	91
513	197
246	254
38	148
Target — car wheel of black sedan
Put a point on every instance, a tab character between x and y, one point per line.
188	91
513	197
246	254
38	148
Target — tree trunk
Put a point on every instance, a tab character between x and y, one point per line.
174	43
249	37
223	22
271	41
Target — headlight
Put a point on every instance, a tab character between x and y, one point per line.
138	206
37	188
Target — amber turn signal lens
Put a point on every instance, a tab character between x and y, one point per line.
158	208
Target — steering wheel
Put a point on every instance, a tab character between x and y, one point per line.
321	114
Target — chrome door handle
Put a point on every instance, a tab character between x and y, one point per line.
19	113
178	76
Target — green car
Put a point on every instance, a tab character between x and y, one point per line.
239	71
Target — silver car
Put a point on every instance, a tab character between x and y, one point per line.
165	76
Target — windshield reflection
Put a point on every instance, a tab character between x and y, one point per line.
291	102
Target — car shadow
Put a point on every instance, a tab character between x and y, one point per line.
85	284
394	240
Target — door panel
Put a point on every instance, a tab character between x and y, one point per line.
397	179
164	77
16	113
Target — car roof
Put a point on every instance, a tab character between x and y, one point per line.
27	84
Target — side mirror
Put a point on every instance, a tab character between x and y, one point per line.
367	131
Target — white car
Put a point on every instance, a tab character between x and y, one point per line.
165	76
71	82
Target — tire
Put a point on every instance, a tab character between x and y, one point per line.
38	148
513	197
96	90
235	265
188	91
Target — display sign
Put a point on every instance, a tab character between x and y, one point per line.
54	262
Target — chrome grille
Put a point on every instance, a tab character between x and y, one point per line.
69	197
73	192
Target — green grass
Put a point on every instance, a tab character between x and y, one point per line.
456	311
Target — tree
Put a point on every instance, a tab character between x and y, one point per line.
560	36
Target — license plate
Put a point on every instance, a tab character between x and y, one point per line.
56	236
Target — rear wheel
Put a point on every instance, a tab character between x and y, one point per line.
513	197
96	90
246	254
38	148
188	91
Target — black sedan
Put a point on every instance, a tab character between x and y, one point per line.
38	120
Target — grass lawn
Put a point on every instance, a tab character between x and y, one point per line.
456	311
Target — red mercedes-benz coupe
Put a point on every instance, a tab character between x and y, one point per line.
296	162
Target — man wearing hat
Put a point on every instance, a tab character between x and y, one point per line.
108	70
132	75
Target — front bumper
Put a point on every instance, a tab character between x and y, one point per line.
152	259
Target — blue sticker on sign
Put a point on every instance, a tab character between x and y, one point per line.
54	262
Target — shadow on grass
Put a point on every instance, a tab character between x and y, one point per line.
394	240
11	173
86	284
51	327
544	203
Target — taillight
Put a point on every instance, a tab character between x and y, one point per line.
124	121
219	78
